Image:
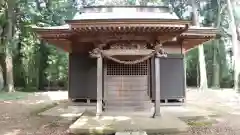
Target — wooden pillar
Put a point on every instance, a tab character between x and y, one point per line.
157	86
99	84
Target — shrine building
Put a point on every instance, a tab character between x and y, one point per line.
126	58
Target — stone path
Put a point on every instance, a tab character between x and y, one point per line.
87	124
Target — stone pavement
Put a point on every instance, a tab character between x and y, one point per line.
165	124
169	123
66	111
182	112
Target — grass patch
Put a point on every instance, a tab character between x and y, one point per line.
5	96
42	109
203	122
200	123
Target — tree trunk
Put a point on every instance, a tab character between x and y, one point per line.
216	66
235	48
2	71
202	64
8	53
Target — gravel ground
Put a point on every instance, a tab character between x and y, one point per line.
221	128
20	117
225	103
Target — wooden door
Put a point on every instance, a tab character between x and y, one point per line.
126	87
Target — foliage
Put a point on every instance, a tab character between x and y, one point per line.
58	67
37	64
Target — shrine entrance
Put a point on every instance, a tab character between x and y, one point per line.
127	86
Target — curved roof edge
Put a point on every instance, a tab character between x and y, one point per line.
124	12
61	27
116	16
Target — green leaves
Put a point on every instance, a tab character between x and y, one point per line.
35	63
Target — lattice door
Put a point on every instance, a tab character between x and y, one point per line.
126	87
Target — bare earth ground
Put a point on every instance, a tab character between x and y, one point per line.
226	105
19	117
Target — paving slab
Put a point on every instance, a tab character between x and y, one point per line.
111	124
65	111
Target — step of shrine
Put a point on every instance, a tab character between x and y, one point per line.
118	122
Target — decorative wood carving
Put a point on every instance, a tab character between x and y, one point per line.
128	52
129	45
99	45
95	53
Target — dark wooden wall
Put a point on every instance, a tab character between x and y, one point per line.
83	77
172	77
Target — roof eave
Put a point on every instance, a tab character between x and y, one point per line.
140	20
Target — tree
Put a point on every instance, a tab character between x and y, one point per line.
202	64
9	31
234	44
216	66
215	55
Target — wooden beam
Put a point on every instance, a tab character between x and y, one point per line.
109	37
121	36
188	43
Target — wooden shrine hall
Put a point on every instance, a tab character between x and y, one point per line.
126	58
